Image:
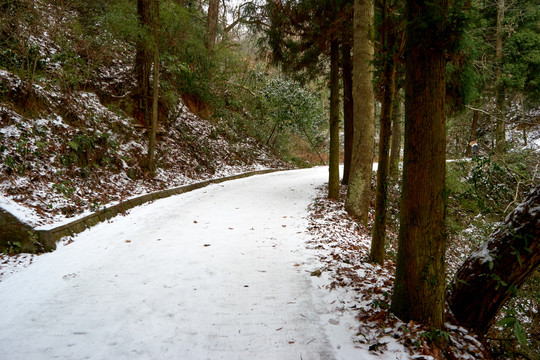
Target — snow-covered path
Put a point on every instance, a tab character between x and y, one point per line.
210	274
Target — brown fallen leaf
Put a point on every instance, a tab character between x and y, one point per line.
378	316
316	273
128	241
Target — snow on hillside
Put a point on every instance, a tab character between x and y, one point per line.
71	155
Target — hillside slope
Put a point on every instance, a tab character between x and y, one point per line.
69	154
71	139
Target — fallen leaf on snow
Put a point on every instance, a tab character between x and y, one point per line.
316	273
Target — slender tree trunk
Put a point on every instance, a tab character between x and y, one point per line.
420	271
524	123
490	276
388	85
359	190
211	24
347	111
472	134
313	144
500	134
271	133
333	168
395	153
143	64
492	127
153	127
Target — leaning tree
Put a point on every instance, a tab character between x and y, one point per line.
491	275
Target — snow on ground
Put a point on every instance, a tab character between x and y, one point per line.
258	268
362	290
212	274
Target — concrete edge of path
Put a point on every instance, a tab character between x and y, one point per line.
48	238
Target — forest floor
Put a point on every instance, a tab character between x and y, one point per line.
263	267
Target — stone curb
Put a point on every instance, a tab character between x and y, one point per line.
48	238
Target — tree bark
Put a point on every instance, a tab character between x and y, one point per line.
347	111
388	86
211	24
143	64
153	125
420	271
333	168
359	191
500	134
489	277
397	134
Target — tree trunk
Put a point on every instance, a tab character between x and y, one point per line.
524	122
395	153
488	278
500	135
359	190
420	271
143	64
153	127
472	134
333	168
388	85
211	24
312	144
347	111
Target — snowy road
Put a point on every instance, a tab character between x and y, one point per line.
205	275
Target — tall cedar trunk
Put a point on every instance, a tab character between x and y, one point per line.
420	271
211	24
359	190
347	111
488	277
143	64
500	135
395	152
333	168
388	85
153	127
472	135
